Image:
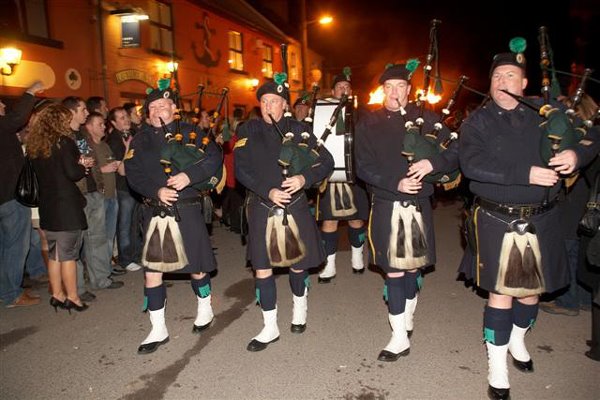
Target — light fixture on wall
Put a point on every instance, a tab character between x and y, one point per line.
10	57
130	14
253	83
172	66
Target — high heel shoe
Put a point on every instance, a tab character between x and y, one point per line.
54	302
69	305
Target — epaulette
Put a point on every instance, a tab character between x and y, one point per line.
240	143
129	154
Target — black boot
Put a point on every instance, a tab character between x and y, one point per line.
594	351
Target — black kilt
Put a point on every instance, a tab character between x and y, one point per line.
490	232
380	229
198	247
258	212
361	202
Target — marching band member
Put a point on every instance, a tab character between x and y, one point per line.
401	226
175	240
331	205
295	242
518	248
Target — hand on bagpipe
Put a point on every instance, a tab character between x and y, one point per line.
182	155
417	147
560	132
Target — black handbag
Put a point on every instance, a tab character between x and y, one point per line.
590	222
27	191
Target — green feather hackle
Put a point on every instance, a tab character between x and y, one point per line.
305	96
280	78
388	65
517	44
149	90
164	83
347	72
412	64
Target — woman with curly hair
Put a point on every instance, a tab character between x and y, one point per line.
58	166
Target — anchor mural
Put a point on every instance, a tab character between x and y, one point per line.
207	57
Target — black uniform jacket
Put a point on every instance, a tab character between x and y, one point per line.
256	153
61	202
146	176
378	150
497	150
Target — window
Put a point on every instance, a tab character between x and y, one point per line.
293	67
236	59
267	64
161	27
24	17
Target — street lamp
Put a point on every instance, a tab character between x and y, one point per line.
323	21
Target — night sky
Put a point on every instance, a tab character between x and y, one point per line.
366	35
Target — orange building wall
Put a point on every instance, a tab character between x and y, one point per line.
75	24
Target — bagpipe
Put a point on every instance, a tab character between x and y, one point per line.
417	146
294	157
183	155
313	103
560	132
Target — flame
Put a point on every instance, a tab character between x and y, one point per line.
431	97
376	96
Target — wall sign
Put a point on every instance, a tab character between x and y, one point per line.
130	33
135	75
73	79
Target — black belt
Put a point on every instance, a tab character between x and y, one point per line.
517	210
162	210
190	201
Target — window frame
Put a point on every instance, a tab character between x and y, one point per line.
267	62
160	27
25	36
240	51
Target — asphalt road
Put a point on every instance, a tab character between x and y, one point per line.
92	355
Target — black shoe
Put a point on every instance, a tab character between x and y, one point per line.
54	302
151	347
358	271
498	394
255	345
69	305
523	366
115	285
87	297
198	329
388	356
298	328
118	271
325	280
594	354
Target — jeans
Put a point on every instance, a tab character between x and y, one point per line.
576	295
124	227
34	265
15	230
96	258
111	210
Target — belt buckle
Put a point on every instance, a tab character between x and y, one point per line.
525	212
